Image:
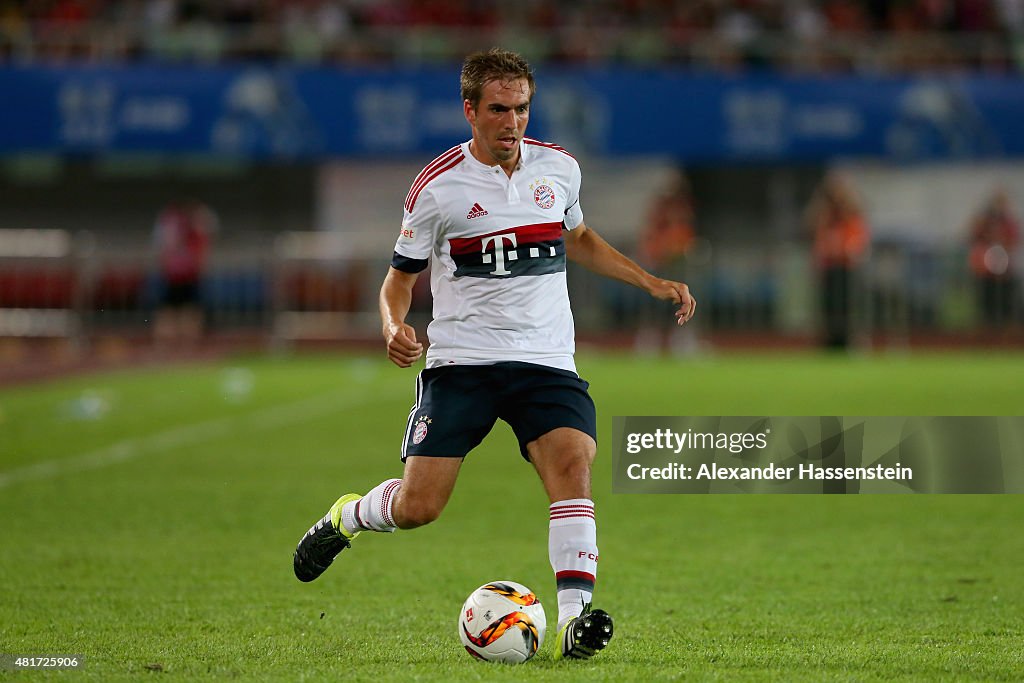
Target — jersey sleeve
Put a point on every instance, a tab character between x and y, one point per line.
573	211
416	239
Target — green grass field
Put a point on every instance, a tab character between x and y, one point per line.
149	518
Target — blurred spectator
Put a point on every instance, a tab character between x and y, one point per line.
62	27
160	15
668	230
1011	15
14	28
182	239
841	237
311	27
667	236
994	239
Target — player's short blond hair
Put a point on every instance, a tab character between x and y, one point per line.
480	68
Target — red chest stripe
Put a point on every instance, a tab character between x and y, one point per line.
525	235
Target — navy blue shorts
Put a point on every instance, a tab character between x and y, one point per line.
457	405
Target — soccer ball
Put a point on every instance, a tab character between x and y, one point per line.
502	621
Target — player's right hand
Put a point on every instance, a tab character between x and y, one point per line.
403	349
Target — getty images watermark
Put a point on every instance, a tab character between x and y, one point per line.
818	454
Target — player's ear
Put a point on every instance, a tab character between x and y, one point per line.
470	111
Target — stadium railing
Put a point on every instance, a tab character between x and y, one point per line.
41	284
322	287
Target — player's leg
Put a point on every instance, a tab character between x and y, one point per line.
454	411
414	500
555	421
452	414
563	458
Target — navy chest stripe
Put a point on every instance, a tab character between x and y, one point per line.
502	255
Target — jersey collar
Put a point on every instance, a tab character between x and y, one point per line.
484	168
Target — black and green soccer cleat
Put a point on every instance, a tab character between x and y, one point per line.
322	543
584	636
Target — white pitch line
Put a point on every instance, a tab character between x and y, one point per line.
190	435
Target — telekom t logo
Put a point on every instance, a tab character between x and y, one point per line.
499	251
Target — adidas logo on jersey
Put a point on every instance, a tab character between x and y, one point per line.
476	212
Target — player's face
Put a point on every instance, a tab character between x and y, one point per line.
499	121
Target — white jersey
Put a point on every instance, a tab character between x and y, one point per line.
497	255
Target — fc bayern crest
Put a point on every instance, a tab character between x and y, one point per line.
544	196
420	432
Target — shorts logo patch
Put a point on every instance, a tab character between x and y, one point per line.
420	431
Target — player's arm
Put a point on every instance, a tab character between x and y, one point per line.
587	248
395	301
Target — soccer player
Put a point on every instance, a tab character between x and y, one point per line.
495	219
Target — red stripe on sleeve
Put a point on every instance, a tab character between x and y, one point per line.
549	145
433	169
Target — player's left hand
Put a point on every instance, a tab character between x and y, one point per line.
678	293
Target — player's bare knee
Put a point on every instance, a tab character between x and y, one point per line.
577	467
417	518
568	477
412	514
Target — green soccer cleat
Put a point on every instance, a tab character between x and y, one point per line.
323	542
584	636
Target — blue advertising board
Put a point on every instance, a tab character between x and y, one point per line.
284	113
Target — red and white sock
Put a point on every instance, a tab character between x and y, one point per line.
572	549
372	512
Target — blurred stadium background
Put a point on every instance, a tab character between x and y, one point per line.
179	491
301	123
